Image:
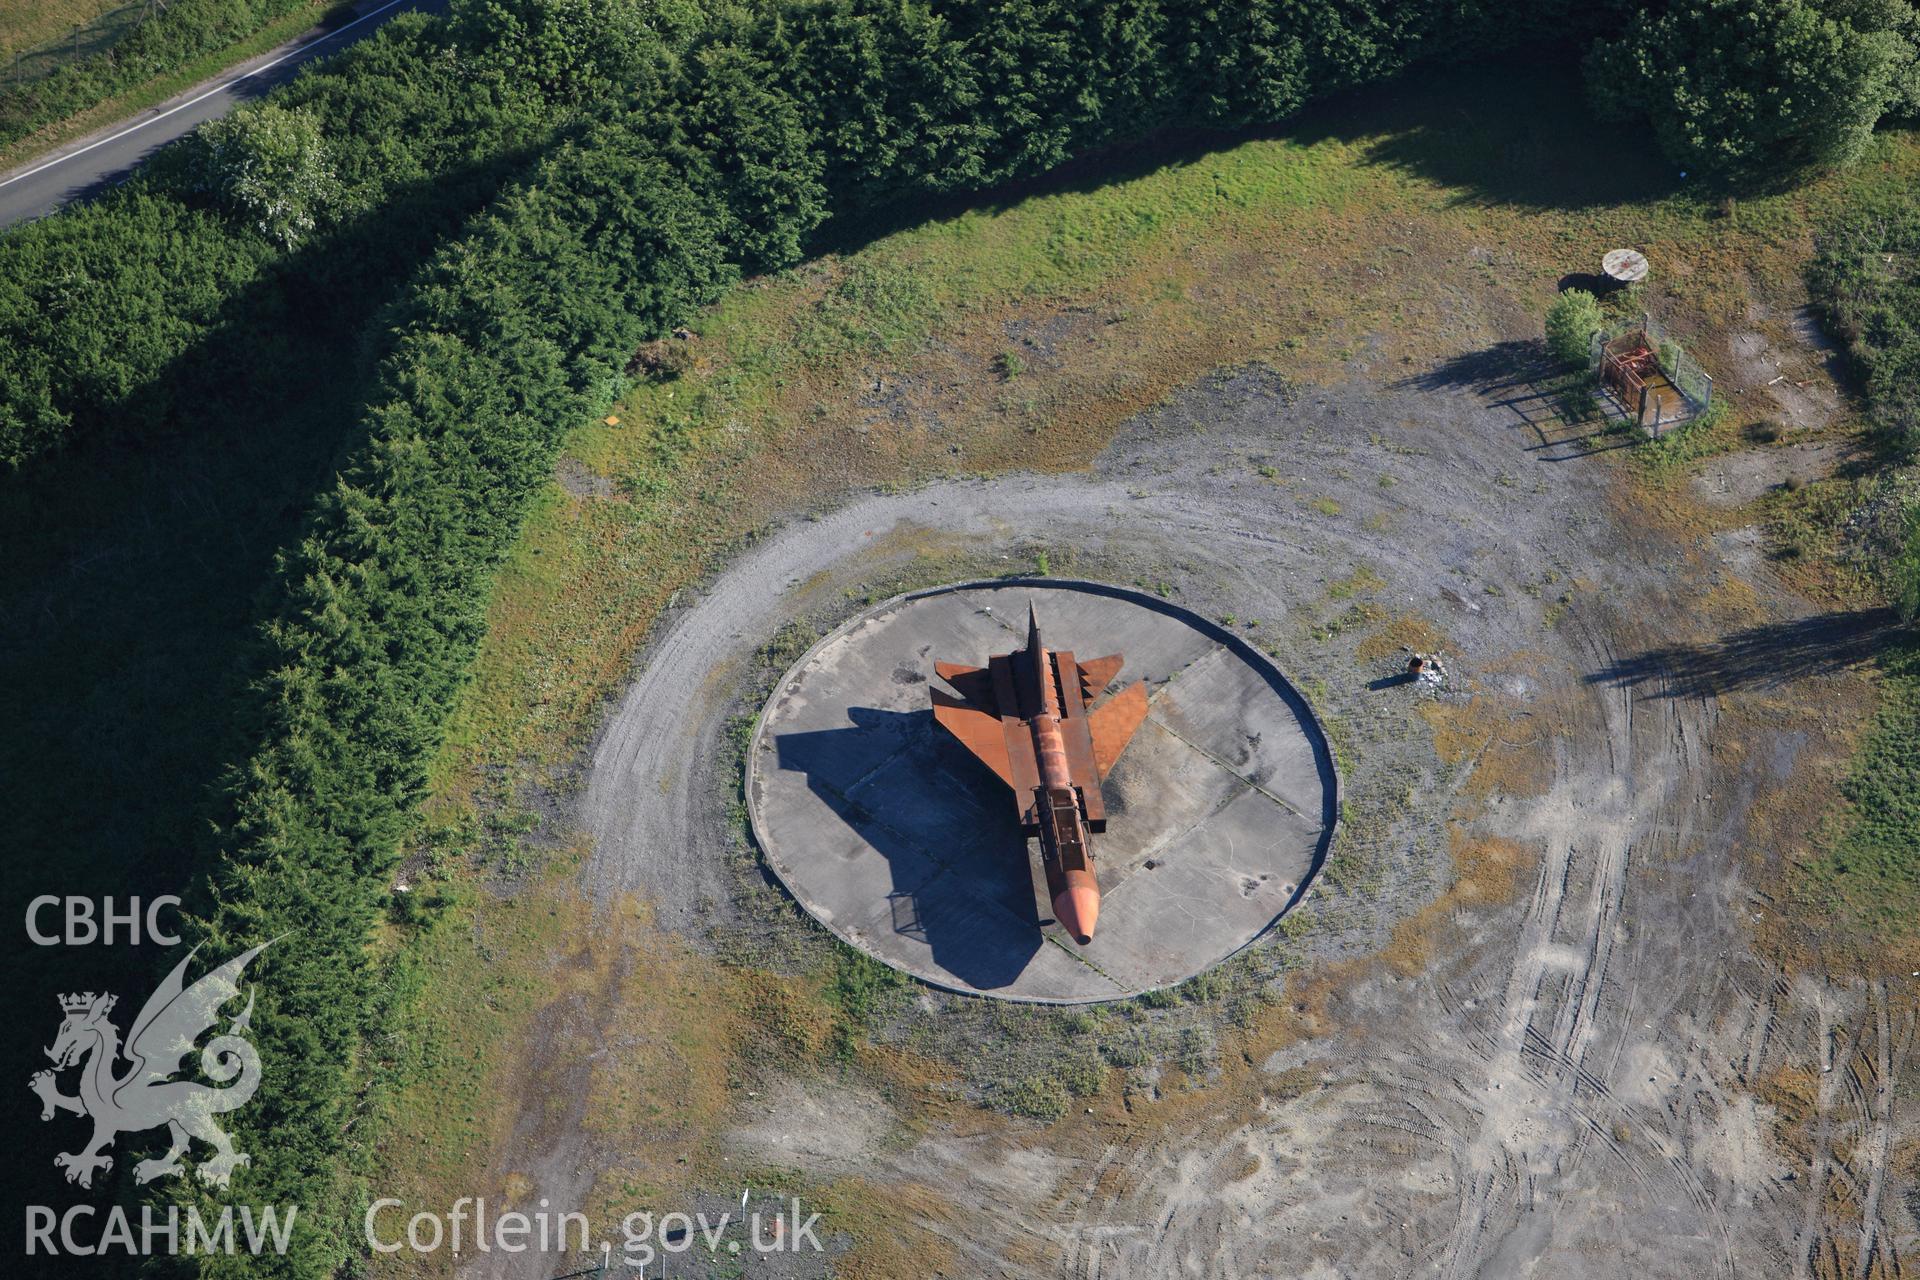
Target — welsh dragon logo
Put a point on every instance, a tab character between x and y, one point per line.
146	1096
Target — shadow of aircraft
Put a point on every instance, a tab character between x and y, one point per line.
961	881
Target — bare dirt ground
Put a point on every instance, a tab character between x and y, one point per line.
1528	1032
1733	479
1797	379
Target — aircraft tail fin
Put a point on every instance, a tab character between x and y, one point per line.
1097	673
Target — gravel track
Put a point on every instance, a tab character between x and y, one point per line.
1568	1088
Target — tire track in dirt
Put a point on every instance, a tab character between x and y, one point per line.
1812	1236
1506	1109
1859	1054
1889	1059
1545	1025
1645	743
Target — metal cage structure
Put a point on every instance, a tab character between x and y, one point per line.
1650	377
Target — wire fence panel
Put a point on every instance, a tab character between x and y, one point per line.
1695	383
30	66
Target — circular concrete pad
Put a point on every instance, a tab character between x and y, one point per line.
898	840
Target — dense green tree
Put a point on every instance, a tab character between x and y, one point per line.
1126	47
1036	99
744	141
1749	89
94	303
1572	321
892	95
1238	62
566	50
1899	21
107	311
1357	41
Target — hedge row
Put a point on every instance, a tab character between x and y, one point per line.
384	603
898	97
111	312
422	121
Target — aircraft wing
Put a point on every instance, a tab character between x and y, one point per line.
972	683
978	731
1113	724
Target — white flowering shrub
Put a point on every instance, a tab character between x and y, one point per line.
269	167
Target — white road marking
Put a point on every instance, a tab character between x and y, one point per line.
217	89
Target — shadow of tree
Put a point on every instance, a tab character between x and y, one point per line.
1559	406
1504	366
139	564
137	556
1514	132
1505	132
1587	281
1762	657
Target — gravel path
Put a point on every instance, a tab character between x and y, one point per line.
1567	1083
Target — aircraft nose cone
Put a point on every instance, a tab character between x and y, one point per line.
1077	907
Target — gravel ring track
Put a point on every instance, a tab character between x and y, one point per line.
1566	1089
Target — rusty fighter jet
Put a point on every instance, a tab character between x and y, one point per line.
1029	716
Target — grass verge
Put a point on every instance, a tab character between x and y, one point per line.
30	24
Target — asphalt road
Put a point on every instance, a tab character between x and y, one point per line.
105	159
